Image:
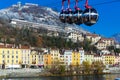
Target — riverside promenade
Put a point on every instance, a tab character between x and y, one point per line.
27	72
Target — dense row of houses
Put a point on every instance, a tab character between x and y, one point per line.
26	56
47	57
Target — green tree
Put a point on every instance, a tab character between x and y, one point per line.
117	51
86	67
98	66
110	48
86	45
57	68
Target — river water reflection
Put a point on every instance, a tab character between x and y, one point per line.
93	77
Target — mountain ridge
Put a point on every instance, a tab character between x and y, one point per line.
34	13
116	37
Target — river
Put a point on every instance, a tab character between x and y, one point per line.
93	77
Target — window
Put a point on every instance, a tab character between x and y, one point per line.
16	52
12	61
12	56
8	52
3	61
16	61
3	56
3	52
7	61
8	56
12	52
16	56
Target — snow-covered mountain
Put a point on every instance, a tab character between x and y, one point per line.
35	13
116	37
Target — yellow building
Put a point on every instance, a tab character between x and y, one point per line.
75	58
62	59
47	59
10	55
109	59
37	57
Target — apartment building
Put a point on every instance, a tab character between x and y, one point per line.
109	59
89	58
108	41
47	59
25	56
10	55
94	38
68	57
55	55
75	58
97	58
101	45
75	36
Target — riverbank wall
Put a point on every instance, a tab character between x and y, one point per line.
27	72
19	73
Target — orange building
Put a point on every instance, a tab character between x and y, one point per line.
47	59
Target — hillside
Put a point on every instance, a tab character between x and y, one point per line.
36	14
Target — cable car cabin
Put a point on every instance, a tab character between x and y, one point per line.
62	16
69	16
78	16
90	16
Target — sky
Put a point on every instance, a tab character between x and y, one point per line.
109	13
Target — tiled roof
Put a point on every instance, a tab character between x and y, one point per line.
25	47
100	41
93	35
15	47
107	39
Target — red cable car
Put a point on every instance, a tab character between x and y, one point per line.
78	14
69	14
90	15
62	15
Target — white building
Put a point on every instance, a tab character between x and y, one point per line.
55	55
74	36
117	46
104	51
25	52
94	38
82	55
98	58
100	45
68	57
